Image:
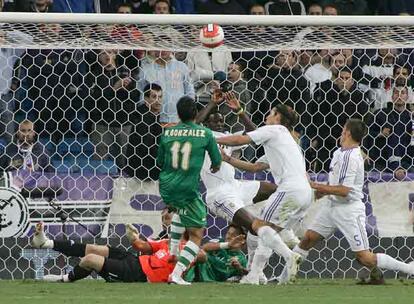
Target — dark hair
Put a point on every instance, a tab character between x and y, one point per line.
239	229
289	118
149	87
256	4
358	129
332	6
241	63
345	69
186	109
398	66
123	5
163	1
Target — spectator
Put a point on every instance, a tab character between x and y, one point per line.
327	69
257	9
330	10
335	101
236	83
25	152
315	10
347	7
112	105
144	140
286	83
73	6
162	7
231	7
283	7
40	6
377	75
172	75
9	57
390	136
107	6
142	6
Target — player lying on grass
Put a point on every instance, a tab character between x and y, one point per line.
223	260
289	203
113	264
226	196
343	209
181	154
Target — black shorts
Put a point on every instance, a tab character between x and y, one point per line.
122	266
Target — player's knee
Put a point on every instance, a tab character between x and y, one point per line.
89	261
309	240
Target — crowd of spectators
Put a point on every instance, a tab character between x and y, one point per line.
121	100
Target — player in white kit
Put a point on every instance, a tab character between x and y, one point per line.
288	204
344	209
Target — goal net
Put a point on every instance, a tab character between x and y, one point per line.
85	97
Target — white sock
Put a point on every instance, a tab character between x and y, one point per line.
187	256
384	261
272	240
177	230
252	243
302	252
260	259
65	278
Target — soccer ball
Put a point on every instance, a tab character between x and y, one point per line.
212	35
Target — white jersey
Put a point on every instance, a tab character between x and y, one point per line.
347	169
213	181
285	157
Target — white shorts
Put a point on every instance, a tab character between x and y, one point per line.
287	208
227	200
348	218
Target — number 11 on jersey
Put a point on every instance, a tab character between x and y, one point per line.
185	150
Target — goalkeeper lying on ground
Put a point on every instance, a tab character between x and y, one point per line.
223	260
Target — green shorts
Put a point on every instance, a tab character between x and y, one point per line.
193	214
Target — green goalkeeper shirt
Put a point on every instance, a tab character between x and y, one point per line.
217	268
181	156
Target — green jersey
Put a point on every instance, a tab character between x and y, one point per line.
217	268
181	156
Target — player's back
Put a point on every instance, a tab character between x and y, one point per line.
284	155
347	169
181	157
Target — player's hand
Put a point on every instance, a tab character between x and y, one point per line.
226	158
237	242
386	132
131	233
214	169
232	101
234	262
217	97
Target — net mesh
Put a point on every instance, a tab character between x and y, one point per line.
90	165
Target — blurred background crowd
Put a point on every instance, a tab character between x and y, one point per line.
104	110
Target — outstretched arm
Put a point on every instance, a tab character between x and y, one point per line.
234	140
235	243
243	165
339	190
139	245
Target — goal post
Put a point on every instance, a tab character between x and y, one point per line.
88	81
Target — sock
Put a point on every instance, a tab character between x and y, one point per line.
252	243
78	273
260	259
384	261
177	230
187	256
272	240
302	252
70	248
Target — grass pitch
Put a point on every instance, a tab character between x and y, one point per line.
305	291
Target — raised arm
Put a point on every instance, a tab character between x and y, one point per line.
235	105
216	99
139	245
